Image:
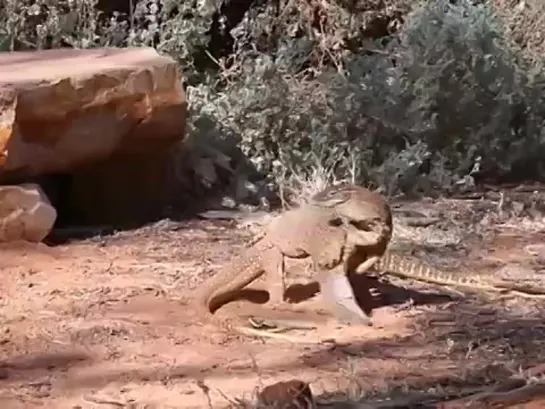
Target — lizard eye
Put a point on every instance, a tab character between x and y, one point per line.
331	197
336	222
364	225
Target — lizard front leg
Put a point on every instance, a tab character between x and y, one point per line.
367	255
332	264
338	295
273	264
368	263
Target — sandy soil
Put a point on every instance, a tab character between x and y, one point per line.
107	322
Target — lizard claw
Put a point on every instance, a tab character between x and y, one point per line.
260	323
274	325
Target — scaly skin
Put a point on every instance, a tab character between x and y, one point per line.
419	270
309	231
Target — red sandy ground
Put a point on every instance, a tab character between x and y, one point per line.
107	322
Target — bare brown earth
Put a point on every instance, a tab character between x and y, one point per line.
106	322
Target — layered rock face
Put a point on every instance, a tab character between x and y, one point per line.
101	121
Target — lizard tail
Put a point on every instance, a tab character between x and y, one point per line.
218	289
419	270
267	334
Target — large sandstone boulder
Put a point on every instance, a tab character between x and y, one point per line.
25	213
105	117
64	108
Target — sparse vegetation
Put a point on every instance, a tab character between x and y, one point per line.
404	95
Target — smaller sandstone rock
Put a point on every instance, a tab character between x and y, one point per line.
25	213
293	394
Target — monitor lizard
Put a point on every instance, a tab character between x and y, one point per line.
310	231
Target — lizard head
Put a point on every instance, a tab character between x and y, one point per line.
365	213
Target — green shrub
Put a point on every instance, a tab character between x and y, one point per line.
441	99
314	91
